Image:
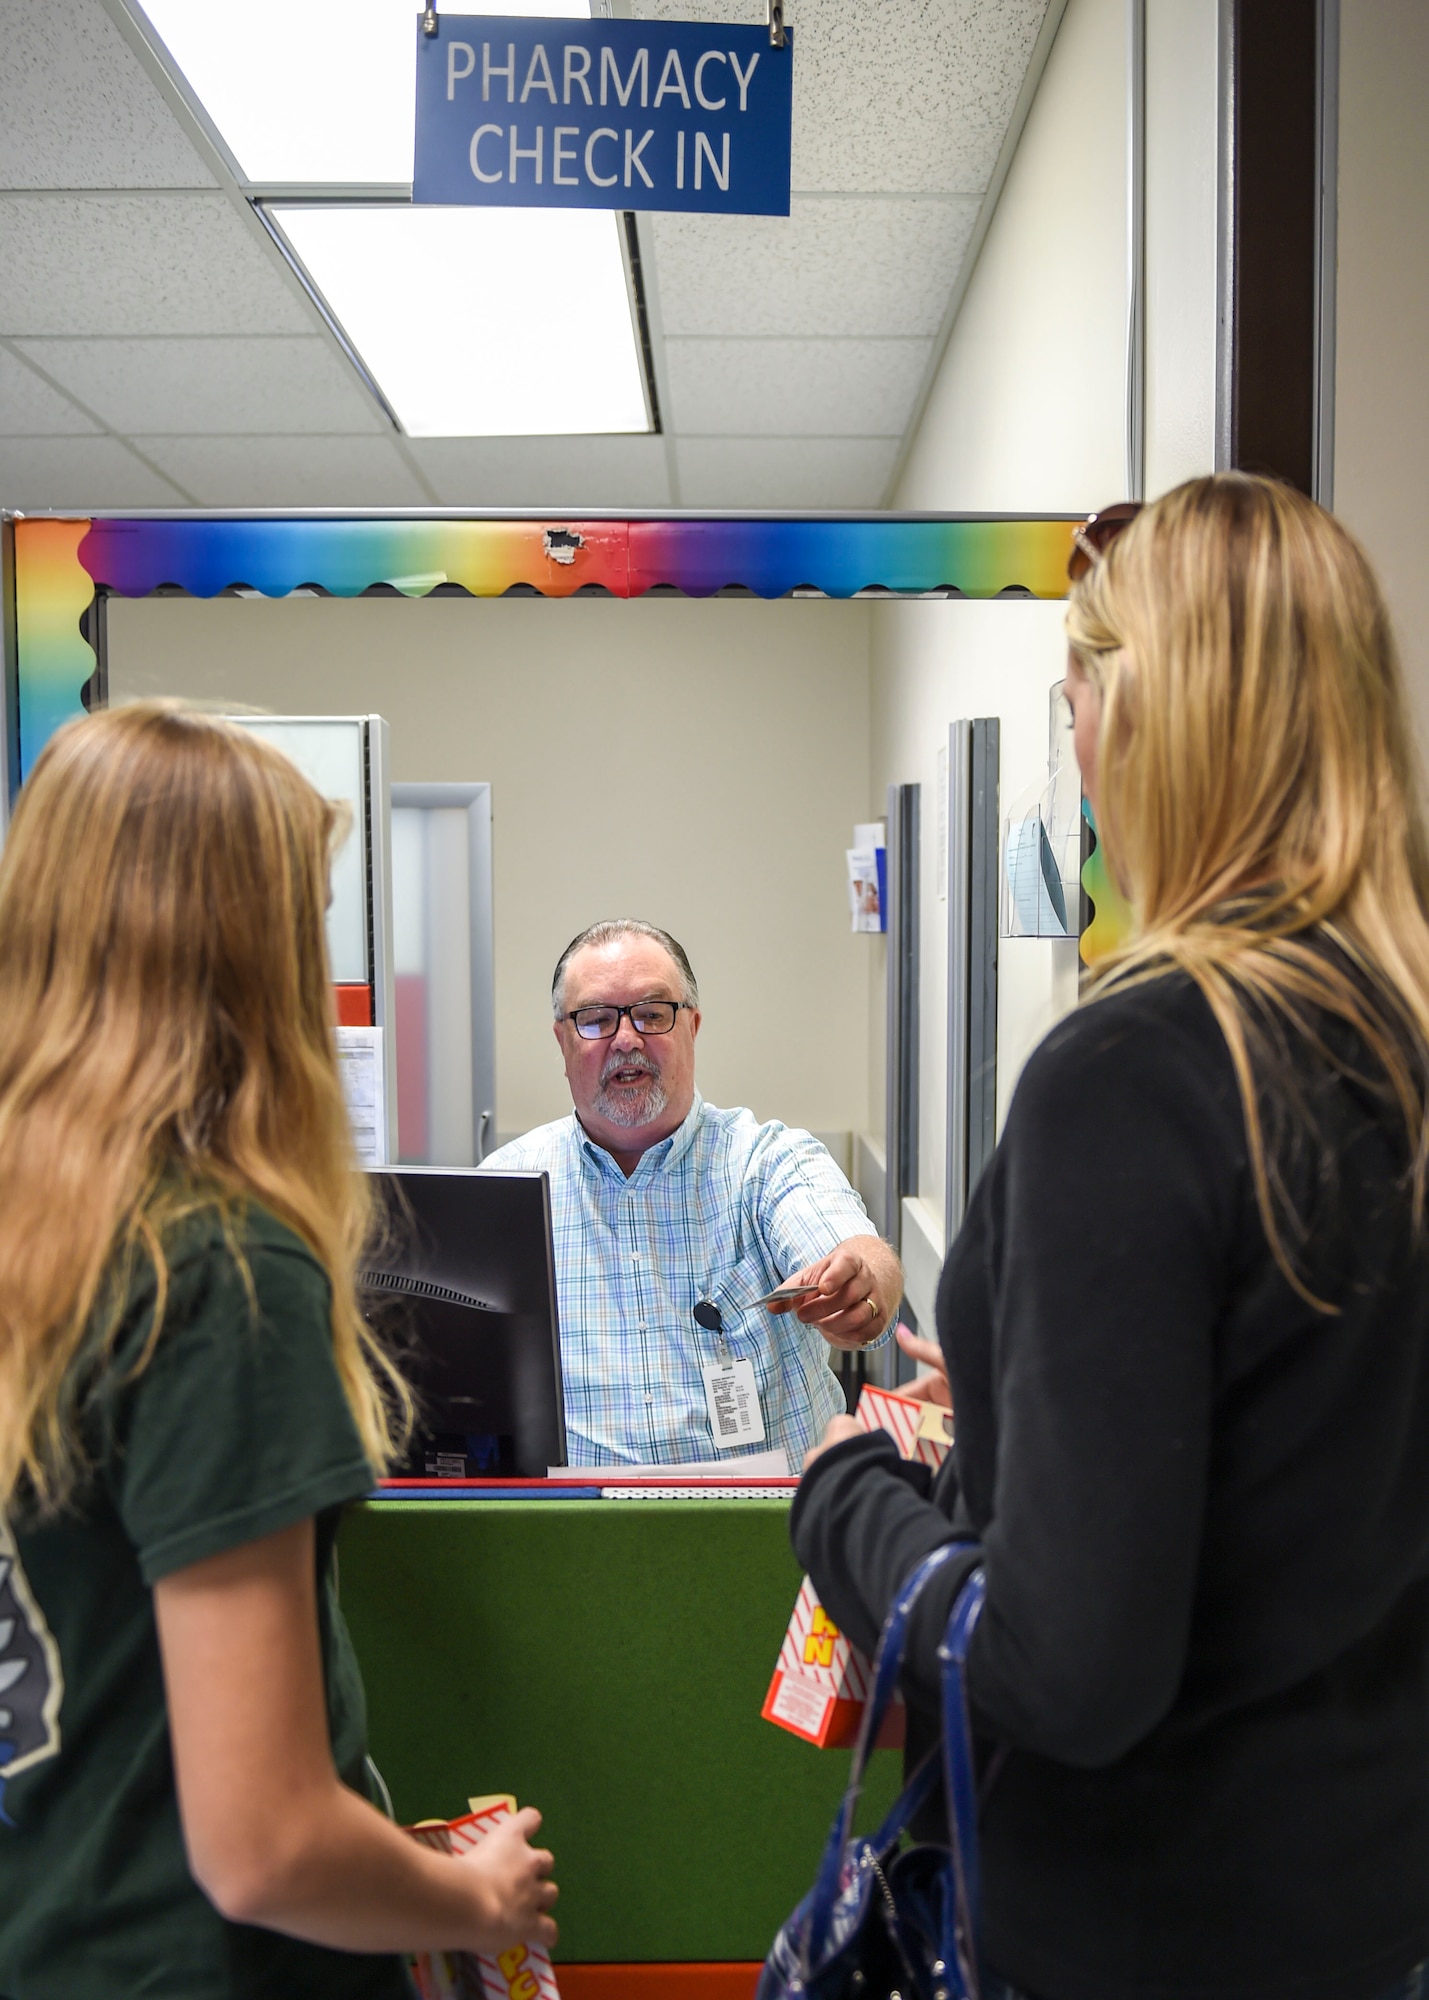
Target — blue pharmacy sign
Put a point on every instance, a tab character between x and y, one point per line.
540	113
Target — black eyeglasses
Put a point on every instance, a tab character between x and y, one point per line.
647	1017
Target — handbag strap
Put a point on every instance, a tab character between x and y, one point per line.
964	1912
887	1662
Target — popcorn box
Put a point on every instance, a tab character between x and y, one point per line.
821	1681
522	1973
922	1431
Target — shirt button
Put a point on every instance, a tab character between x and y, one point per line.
641	1328
635	1257
649	1401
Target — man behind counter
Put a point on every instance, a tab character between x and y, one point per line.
660	1204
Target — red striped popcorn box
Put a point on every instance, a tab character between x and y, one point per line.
821	1681
922	1431
522	1973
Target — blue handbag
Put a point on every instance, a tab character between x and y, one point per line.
879	1924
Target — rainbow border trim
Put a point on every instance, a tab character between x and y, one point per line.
53	658
60	564
1111	923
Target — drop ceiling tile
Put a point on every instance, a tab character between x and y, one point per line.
749	13
213	385
909	97
288	471
558	473
784	472
79	472
912	97
793	388
161	263
29	407
76	108
833	266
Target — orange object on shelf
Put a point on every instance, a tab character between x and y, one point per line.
658	1982
354	1006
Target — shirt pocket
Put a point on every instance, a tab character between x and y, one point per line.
736	1279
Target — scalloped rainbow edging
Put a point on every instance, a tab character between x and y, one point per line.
1110	927
52	593
59	565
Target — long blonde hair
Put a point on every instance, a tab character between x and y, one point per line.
1256	788
165	1043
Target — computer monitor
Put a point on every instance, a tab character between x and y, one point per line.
463	1286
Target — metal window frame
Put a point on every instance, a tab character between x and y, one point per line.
474	799
1278	63
902	971
973	768
1136	251
1327	83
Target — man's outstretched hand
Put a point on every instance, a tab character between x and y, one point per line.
860	1285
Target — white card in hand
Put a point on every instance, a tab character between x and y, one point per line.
733	1397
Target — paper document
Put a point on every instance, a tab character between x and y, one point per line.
756	1465
867	877
364	1085
1038	899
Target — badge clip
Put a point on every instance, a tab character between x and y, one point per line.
708	1315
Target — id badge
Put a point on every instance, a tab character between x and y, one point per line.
733	1398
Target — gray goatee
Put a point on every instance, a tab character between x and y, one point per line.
625	1105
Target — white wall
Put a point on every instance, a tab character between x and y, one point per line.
1028	415
935	663
699	764
1382	345
1028	409
1181	187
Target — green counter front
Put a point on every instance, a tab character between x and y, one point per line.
604	1660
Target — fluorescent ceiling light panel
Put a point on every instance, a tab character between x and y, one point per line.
481	322
311	90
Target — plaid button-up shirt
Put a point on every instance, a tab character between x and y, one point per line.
724	1209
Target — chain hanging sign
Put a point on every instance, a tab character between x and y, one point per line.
521	112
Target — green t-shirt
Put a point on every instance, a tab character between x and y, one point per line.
238	1427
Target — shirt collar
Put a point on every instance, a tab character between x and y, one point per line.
657	1159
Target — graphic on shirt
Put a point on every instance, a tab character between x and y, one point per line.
31	1682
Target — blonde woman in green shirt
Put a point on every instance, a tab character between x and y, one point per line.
188	1395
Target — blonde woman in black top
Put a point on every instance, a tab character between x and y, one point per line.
1186	1321
188	1394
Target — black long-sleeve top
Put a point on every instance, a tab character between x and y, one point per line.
1204	1513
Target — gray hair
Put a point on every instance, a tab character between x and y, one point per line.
607	932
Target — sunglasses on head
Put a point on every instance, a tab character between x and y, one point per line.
1091	541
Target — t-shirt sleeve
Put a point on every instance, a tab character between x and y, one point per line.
804	1208
239	1425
